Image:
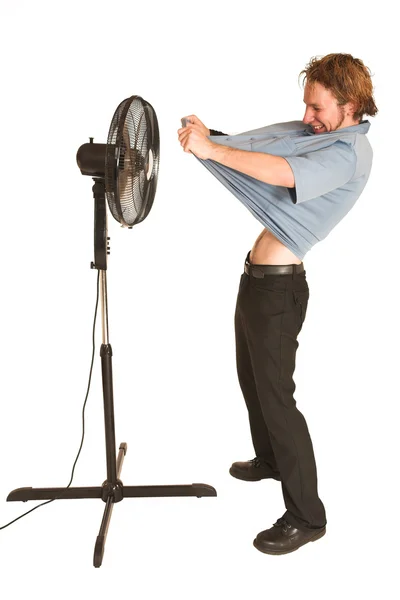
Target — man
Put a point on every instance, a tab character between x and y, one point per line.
305	182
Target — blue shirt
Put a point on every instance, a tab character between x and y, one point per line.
330	172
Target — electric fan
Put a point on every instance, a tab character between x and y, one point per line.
125	171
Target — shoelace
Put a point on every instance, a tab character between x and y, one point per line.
256	462
281	522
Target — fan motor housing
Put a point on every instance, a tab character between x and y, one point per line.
91	159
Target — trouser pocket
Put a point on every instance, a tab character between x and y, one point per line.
301	302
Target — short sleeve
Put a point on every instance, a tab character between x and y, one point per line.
319	172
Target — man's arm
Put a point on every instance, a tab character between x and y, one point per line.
274	170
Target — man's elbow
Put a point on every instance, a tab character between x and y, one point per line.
288	176
289	182
279	173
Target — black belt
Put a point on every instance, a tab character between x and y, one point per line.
260	270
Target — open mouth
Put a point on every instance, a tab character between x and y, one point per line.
318	127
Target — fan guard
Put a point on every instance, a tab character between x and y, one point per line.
132	161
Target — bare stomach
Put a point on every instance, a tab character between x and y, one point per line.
268	250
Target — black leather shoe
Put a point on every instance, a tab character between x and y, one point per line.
253	470
284	537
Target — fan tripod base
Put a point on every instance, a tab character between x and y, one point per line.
111	493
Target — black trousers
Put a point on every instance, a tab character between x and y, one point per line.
270	313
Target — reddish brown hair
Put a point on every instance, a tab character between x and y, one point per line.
347	78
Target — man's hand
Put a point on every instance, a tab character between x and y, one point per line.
196	121
194	137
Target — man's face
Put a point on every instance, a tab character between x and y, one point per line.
323	112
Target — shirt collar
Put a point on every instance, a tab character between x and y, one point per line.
362	127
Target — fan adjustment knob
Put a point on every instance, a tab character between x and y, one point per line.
91	140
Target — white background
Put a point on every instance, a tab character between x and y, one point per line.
172	291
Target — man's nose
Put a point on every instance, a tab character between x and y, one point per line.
308	116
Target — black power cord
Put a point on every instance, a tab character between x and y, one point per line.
83	416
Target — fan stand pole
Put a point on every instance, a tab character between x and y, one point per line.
112	490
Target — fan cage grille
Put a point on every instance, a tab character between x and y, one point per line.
132	161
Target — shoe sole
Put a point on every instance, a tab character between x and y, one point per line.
316	537
237	475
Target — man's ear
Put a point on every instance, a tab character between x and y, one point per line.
350	108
